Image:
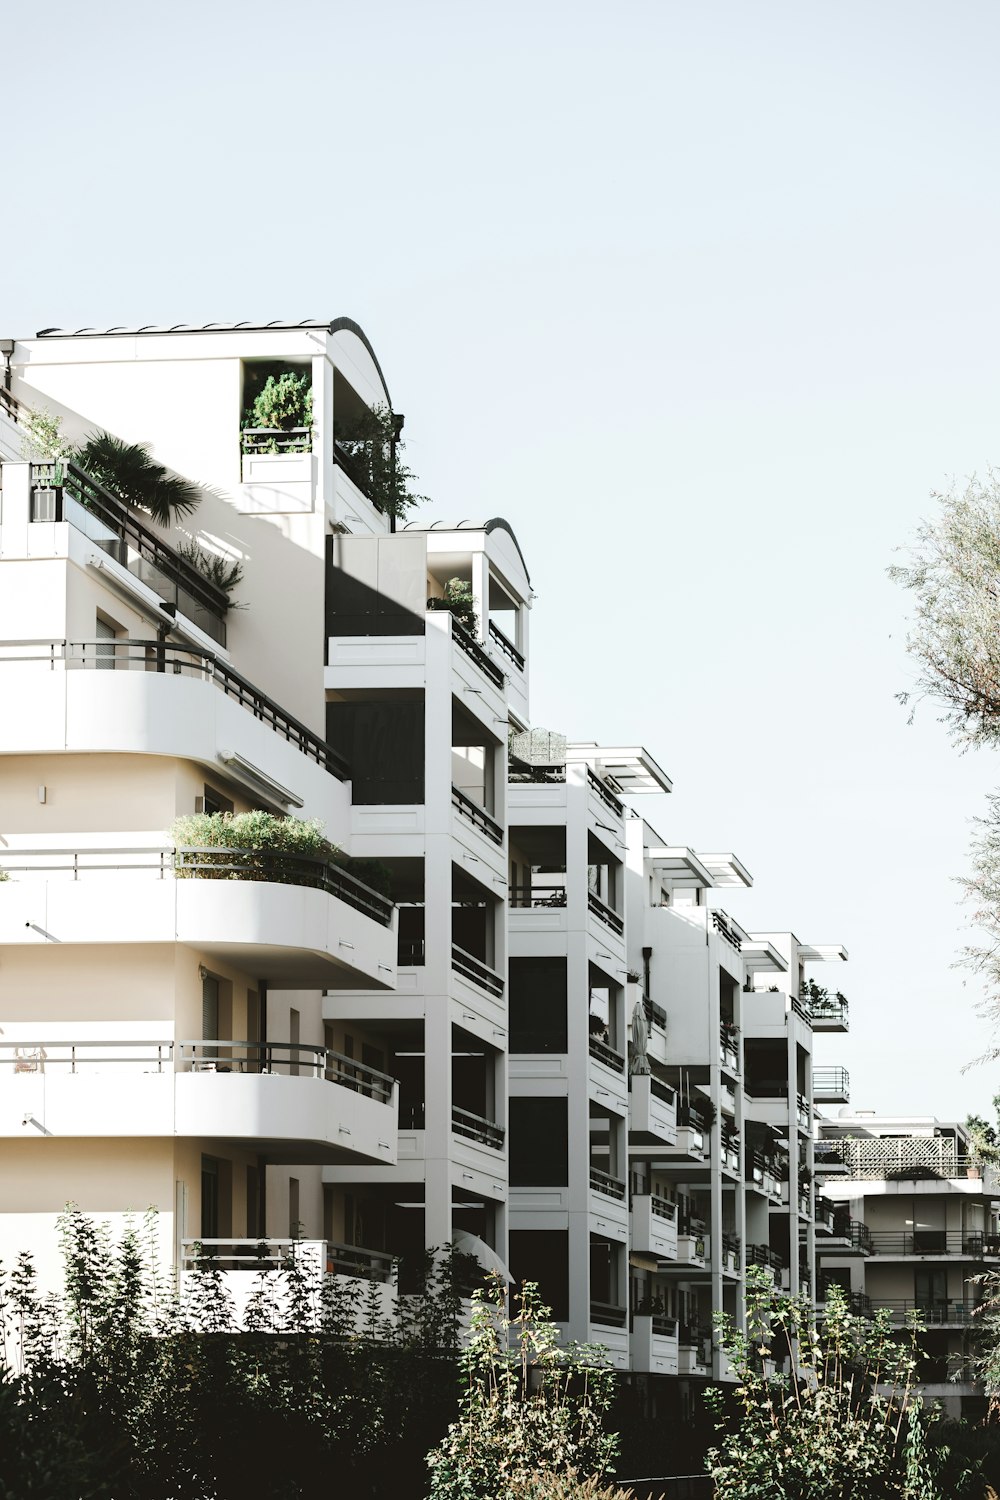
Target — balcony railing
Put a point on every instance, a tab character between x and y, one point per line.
519	772
831	1083
603	791
521	897
655	1014
253	1255
258	440
603	1182
477	816
858	1235
476	971
507	647
968	1245
942	1313
607	1055
605	913
222	1055
763	1255
282	868
831	1010
477	1128
608	1315
721	924
157	656
661	1207
62	492
473	649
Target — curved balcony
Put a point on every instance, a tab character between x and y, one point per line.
286	920
285	1101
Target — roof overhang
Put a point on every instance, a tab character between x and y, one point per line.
682	866
633	768
726	869
821	953
762	957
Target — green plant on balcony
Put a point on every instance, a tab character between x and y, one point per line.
459	599
372	444
42	439
225	573
128	471
257	832
284	403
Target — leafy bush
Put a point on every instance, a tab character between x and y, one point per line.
225	572
128	471
43	439
284	402
568	1486
529	1407
257	831
373	447
458	597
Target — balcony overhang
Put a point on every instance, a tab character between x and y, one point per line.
726	870
684	868
632	768
761	957
821	953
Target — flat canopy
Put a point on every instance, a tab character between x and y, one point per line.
633	768
822	952
726	869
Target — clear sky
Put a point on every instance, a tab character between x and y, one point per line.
701	297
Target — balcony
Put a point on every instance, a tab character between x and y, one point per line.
605	914
935	1243
828	1012
652	1109
289	1102
764	1173
653	1345
654	1226
291	921
477	1128
62	492
473	650
476	971
240	1263
694	1352
960	1313
694	1248
507	648
729	1152
847	1236
605	797
769	1260
729	1046
149	697
608	1186
731	1245
536	897
477	816
831	1086
726	929
608	1056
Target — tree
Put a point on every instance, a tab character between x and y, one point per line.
841	1421
529	1406
954	575
128	471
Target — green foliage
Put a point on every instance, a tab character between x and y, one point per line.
528	1406
830	1414
284	402
458	597
43	437
128	471
375	458
225	572
258	831
567	1486
4	875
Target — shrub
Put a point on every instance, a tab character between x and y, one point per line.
225	573
458	597
569	1486
256	833
284	402
373	446
128	471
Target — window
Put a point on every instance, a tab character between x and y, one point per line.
210	1008
294	1225
539	1142
537	1004
212	802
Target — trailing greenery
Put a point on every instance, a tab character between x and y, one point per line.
225	573
459	599
826	1425
374	452
128	471
283	403
529	1407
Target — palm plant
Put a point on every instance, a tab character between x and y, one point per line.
225	572
128	471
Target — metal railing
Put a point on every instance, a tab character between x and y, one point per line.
281	868
473	649
476	970
831	1083
57	487
477	1128
607	1055
477	816
603	791
608	1315
518	773
506	646
525	896
970	1244
268	1254
763	1255
222	1055
655	1014
829	1008
858	1235
663	1208
603	1182
158	656
721	924
260	440
605	913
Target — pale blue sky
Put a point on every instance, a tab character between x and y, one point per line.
701	297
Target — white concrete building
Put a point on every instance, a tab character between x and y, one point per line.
915	1216
297	1054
